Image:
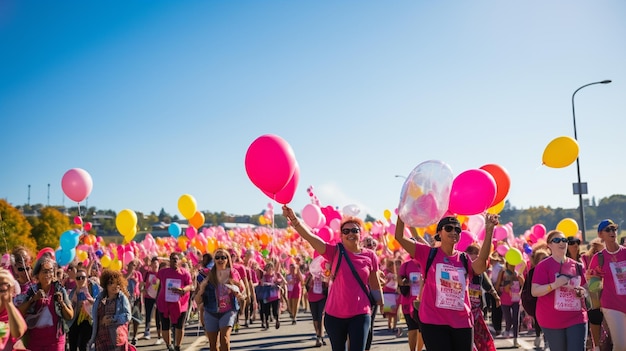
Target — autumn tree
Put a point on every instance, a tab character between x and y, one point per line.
48	227
14	229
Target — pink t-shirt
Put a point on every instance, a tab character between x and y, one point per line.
412	270
316	288
224	299
510	288
175	278
614	283
445	299
134	281
151	285
345	297
274	279
560	308
294	285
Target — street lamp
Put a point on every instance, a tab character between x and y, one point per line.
581	188
400	176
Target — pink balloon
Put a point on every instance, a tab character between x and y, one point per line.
270	163
499	233
465	239
472	192
312	216
330	213
87	226
325	233
539	230
335	224
502	249
191	232
127	257
285	195
78	220
77	184
45	250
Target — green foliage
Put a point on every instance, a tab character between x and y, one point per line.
48	227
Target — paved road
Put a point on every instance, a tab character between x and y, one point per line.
301	337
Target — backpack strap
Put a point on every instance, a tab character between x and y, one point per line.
429	262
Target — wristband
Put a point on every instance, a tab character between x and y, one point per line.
549	287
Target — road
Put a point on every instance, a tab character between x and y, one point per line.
301	337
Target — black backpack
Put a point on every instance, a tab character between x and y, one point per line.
529	302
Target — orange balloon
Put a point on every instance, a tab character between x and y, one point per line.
182	242
197	220
503	181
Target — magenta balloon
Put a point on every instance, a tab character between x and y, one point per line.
270	163
465	239
191	232
502	249
77	184
539	230
472	192
285	195
325	233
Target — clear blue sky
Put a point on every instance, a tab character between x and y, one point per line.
156	99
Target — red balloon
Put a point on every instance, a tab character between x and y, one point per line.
78	220
270	163
45	250
87	226
285	195
77	184
503	182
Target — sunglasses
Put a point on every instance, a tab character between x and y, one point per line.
558	240
347	231
22	269
610	229
449	228
80	277
573	242
221	257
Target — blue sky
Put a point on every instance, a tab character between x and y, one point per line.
156	99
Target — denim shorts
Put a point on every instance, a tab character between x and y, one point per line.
213	322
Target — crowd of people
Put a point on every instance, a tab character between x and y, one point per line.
444	296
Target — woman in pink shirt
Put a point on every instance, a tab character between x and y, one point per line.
613	274
558	285
349	302
445	310
294	290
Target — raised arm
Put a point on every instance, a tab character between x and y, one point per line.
406	243
480	264
417	237
318	244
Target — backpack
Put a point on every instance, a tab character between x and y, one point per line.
529	302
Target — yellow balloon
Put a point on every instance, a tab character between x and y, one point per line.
387	214
421	231
126	221
497	208
262	220
81	255
568	226
560	152
211	245
432	229
130	236
115	265
105	260
187	205
293	251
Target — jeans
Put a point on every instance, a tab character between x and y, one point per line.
338	330
571	338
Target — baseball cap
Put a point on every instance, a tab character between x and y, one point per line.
606	223
448	220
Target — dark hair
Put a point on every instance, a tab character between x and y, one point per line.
40	262
114	276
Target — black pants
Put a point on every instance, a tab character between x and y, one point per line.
265	311
496	313
150	303
368	343
79	335
446	338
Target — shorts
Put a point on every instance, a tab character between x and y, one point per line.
595	316
411	323
214	322
166	323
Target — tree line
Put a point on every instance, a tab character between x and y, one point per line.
38	226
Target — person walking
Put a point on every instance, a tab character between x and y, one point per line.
83	298
111	313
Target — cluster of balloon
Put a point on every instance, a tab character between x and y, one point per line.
279	178
560	152
67	252
126	223
425	194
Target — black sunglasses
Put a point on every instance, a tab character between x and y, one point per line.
221	257
80	277
610	229
347	231
558	240
573	242
448	228
22	269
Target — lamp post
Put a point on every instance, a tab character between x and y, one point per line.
581	188
400	176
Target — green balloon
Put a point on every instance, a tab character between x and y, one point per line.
265	252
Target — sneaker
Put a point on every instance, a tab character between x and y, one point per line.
277	324
323	341
133	341
318	343
145	337
505	334
516	344
537	341
176	348
158	341
399	333
293	322
170	347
